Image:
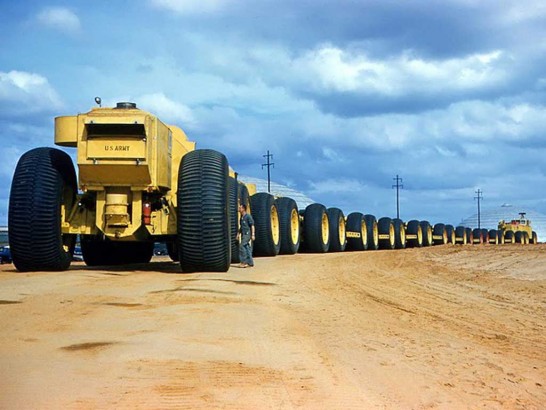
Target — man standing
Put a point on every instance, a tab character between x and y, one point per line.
246	234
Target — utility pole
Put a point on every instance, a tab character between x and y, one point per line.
268	164
398	186
479	197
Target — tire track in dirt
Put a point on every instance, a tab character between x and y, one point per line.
450	308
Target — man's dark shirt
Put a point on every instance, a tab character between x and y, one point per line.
246	232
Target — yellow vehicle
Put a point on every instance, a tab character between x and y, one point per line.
140	181
518	230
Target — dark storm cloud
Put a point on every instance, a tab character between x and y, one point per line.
354	104
433	28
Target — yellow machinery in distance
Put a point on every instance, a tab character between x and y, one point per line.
518	230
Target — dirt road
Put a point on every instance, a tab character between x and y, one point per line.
445	327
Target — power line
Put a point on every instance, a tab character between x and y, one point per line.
398	186
479	197
268	164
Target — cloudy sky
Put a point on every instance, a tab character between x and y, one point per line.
346	94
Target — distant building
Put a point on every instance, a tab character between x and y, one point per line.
279	190
489	218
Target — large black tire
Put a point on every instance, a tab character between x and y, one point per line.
427	233
439	235
172	250
477	236
460	235
338	236
469	236
134	252
399	234
387	238
414	234
43	182
266	222
357	232
500	237
144	251
244	197
519	237
289	222
485	236
316	229
301	214
450	232
233	194
493	237
97	252
203	240
509	237
534	238
373	232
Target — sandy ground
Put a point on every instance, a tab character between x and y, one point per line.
446	327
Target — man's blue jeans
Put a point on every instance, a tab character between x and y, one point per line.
245	254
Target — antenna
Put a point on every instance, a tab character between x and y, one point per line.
268	164
398	186
479	197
